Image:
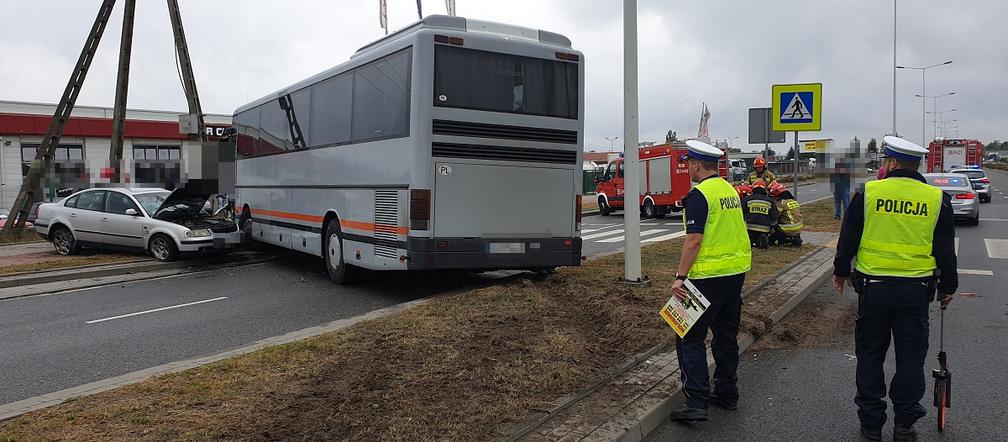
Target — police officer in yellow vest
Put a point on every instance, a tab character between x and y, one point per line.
715	258
900	234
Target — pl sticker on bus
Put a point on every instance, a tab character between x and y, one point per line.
442	98
444	169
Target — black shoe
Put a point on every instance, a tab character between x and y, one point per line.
722	403
689	414
904	432
871	433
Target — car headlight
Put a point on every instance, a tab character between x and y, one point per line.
197	233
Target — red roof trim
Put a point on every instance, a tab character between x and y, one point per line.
26	124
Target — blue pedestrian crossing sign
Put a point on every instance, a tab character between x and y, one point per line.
797	107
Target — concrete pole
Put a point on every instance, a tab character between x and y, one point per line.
893	68
795	165
631	162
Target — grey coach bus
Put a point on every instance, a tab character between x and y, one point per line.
450	144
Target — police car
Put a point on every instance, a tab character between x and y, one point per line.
965	204
978	178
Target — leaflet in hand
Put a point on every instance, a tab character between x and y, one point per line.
682	315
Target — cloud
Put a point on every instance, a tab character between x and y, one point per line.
726	53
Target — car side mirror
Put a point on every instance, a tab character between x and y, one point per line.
132	212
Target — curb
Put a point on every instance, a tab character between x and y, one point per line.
104	270
658	414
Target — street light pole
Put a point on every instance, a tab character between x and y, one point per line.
894	67
631	164
610	140
934	103
923	69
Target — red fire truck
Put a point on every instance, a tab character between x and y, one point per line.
945	154
664	181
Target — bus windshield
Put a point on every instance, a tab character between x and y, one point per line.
492	81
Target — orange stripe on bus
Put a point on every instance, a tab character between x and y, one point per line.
357	225
289	215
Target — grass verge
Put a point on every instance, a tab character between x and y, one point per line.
589	204
465	366
60	262
818	216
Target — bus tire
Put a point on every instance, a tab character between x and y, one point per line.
338	270
649	209
603	207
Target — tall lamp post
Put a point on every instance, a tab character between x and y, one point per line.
631	166
934	105
945	127
923	69
939	117
610	140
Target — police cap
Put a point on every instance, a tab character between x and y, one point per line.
698	150
900	149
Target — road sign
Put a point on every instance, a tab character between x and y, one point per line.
815	146
759	127
796	107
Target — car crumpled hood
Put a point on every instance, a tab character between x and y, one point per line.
181	204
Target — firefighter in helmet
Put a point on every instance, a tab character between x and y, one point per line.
760	215
761	173
789	224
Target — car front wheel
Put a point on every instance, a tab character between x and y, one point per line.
163	248
64	242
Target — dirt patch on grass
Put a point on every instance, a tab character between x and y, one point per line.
464	366
34	262
818	216
823	320
589	204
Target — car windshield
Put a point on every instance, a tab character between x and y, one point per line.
151	201
973	174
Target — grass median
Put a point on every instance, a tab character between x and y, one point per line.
56	262
818	216
465	366
20	236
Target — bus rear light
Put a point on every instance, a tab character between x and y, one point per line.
420	209
568	242
567	57
442	244
446	39
577	211
965	196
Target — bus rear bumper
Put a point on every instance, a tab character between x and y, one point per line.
493	254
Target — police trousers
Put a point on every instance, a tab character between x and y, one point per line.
722	318
898	309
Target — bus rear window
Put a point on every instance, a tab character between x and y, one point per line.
492	81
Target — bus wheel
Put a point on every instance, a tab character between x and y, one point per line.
649	209
603	208
338	271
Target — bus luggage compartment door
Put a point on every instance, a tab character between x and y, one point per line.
493	201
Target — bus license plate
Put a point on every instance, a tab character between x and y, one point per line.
507	247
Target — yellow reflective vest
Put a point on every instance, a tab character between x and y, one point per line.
725	248
899	223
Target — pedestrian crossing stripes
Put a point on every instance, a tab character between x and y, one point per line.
642	234
997	248
675	235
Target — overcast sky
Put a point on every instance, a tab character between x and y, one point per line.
725	53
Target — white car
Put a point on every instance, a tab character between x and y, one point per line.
157	221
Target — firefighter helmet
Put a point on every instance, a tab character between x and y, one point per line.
777	189
759	183
759	162
743	190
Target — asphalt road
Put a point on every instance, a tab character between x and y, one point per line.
602	234
53	342
807	393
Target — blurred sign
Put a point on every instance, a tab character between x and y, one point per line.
760	131
797	107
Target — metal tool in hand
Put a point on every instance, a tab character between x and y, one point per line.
943	379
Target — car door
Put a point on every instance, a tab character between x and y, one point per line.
85	218
119	228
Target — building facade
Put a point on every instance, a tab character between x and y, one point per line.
155	154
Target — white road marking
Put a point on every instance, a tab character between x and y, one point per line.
675	235
997	248
601	234
957	246
994	219
975	272
622	237
155	310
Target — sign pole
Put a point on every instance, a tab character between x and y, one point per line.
796	164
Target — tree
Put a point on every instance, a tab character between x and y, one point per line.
872	147
790	153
